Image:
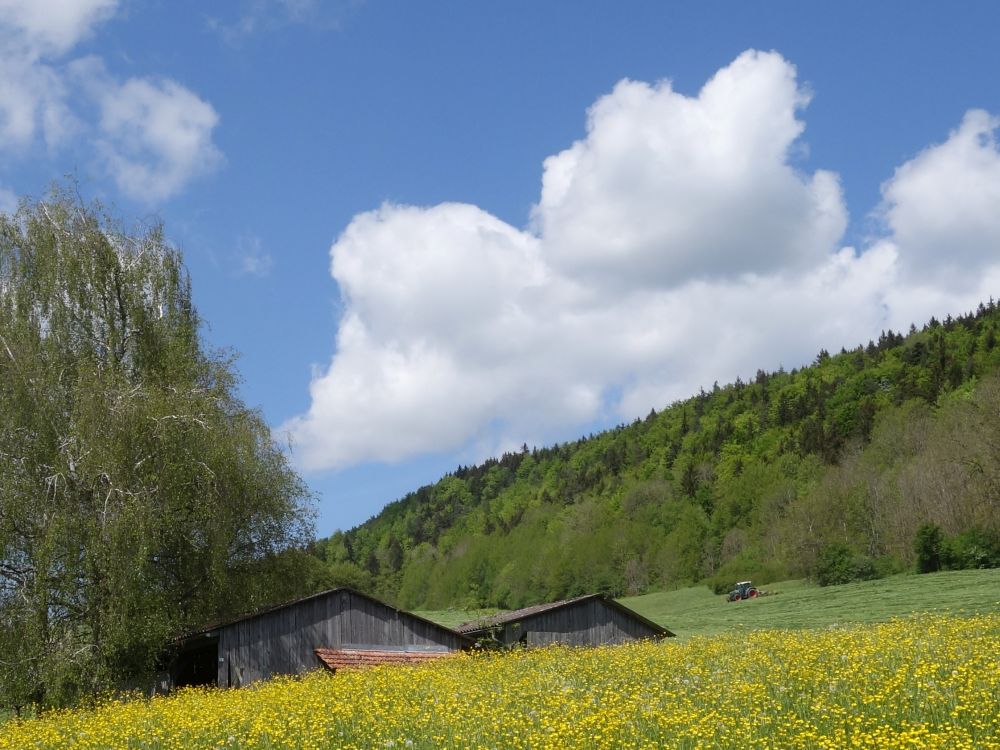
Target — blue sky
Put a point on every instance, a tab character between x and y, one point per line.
436	231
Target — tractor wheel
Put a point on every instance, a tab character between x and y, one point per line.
752	594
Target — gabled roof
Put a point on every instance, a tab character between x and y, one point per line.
344	658
503	618
266	610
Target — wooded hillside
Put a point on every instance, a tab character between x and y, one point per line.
830	471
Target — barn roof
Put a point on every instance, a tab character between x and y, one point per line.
343	658
265	610
502	618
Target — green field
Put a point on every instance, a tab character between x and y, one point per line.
452	618
798	604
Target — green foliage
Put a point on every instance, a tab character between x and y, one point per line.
751	564
928	546
749	480
839	563
138	495
973	548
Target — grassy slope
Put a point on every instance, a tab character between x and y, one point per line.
452	618
696	611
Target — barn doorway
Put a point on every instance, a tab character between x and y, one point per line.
197	665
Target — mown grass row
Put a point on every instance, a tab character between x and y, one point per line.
922	682
799	604
697	611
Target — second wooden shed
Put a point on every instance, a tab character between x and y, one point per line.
592	620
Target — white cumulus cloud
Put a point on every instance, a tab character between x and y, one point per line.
32	99
155	136
33	95
677	244
667	187
50	27
943	207
442	303
152	134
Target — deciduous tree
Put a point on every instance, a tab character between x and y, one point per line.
138	494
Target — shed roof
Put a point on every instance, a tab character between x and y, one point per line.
343	658
502	618
273	608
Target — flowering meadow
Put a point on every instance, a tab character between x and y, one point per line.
921	682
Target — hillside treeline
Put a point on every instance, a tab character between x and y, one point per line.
829	471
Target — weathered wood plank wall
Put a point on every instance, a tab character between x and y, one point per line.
282	641
585	623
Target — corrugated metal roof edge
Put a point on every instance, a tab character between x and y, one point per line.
486	623
179	640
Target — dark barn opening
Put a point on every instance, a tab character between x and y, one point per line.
197	665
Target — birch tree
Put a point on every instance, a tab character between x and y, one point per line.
138	494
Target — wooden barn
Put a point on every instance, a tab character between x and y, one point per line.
592	620
336	628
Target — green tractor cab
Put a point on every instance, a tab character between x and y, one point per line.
743	590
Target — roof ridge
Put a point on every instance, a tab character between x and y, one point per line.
275	607
515	614
502	618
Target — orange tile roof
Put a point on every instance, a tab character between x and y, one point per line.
334	658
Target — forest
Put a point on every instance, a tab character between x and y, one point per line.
867	462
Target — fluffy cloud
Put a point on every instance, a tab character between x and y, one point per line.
942	206
442	305
32	93
50	27
677	244
153	135
32	98
667	187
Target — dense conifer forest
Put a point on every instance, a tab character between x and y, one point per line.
871	461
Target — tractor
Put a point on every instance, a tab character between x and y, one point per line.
743	590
